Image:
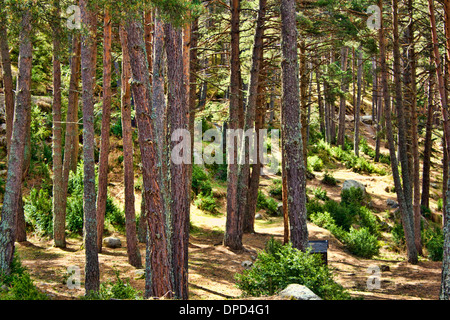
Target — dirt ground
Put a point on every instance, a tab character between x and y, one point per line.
212	266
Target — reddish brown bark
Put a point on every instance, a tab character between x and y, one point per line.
7	74
134	257
158	280
104	140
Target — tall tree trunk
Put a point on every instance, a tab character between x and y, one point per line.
7	74
342	105
158	280
233	227
193	69
106	119
88	50
250	114
402	190
178	119
412	94
71	136
291	128
408	215
17	148
358	102
320	101
304	100
59	225
445	282
134	256
426	168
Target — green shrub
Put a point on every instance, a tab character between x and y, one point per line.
328	179
315	163
322	219
200	181
38	212
116	127
114	215
276	189
440	204
74	214
266	203
206	202
342	214
119	289
433	239
280	265
368	220
362	243
352	196
19	283
398	235
320	193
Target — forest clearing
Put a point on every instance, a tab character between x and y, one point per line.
224	150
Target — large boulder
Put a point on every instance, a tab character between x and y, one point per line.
112	242
355	184
298	292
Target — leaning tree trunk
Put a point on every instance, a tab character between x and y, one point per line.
106	119
134	256
59	224
17	149
291	128
7	74
88	52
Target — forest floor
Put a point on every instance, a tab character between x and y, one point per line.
212	266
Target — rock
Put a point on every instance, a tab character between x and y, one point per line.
3	127
139	274
280	209
355	184
385	268
298	292
366	119
112	242
4	288
246	264
258	216
393	204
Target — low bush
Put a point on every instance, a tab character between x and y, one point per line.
353	196
38	212
320	193
18	284
362	243
315	163
280	265
206	202
266	203
433	240
328	179
118	289
276	189
200	181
